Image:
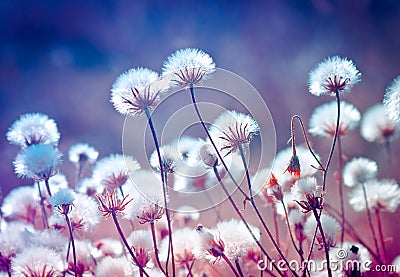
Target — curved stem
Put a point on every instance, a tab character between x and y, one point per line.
153	234
213	143
260	218
165	190
228	262
243	219
319	225
340	183
121	234
71	236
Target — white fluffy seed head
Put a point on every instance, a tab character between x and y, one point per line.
376	126
21	203
115	267
358	171
82	152
171	158
330	227
33	128
305	187
392	100
183	241
381	194
323	119
187	67
62	197
37	161
333	74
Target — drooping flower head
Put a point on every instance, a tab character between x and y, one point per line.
381	194
33	128
392	100
132	92
323	119
358	171
188	66
37	161
330	226
334	74
232	130
114	170
377	126
82	152
209	244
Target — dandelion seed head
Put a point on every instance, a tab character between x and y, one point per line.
12	239
323	119
37	261
85	262
62	197
142	243
33	128
330	226
22	204
376	126
296	216
188	66
208	244
82	152
392	100
132	91
381	194
49	238
56	182
232	130
113	171
358	171
89	187
305	187
183	241
37	161
170	158
115	267
333	74
108	247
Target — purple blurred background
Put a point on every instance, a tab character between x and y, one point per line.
61	58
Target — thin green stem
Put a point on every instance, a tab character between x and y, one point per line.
165	191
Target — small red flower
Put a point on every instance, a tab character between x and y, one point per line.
294	166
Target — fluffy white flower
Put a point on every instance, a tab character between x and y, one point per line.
304	188
148	198
266	185
183	241
48	238
188	66
358	171
333	74
82	152
37	261
22	203
37	161
132	91
85	262
231	130
84	215
56	182
89	186
114	267
323	119
296	217
383	195
306	160
330	226
113	171
392	100
62	197
377	126
170	158
12	239
33	128
142	244
108	247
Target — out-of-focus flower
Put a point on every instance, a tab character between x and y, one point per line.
56	182
22	204
306	192
49	238
183	241
12	242
37	161
232	130
334	74
358	171
188	66
187	214
33	128
297	219
330	227
170	158
108	247
84	216
396	262
377	126
392	100
306	161
85	261
89	186
82	152
265	184
141	242
381	194
132	92
116	267
323	119
37	261
114	170
148	198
